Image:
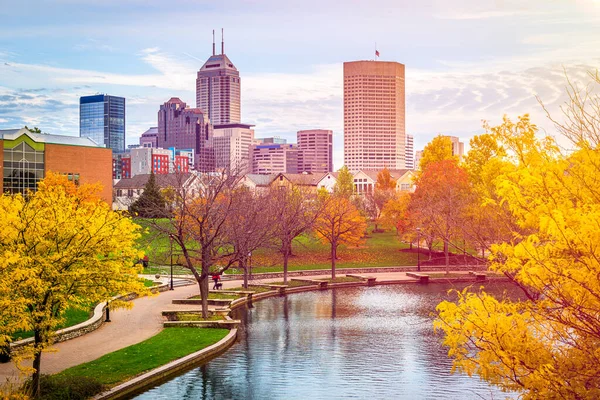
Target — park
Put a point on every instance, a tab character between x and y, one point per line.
488	269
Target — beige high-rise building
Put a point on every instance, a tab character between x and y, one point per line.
458	147
374	110
218	89
231	144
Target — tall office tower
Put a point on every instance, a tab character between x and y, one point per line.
374	110
316	146
274	158
102	119
408	152
218	88
231	145
458	147
186	128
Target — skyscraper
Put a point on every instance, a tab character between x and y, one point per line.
231	144
102	119
218	88
374	110
316	146
185	128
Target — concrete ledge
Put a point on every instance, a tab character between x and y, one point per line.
370	279
479	276
238	292
168	370
227	324
210	302
321	284
280	288
421	277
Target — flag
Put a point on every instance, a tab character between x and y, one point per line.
376	53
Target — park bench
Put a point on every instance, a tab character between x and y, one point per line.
370	279
322	284
421	277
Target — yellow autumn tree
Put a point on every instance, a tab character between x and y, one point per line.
338	222
60	247
439	149
545	346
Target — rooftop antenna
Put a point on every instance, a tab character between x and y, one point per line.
222	42
213	42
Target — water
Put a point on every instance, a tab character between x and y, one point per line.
356	343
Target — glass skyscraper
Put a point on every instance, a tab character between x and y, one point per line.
102	119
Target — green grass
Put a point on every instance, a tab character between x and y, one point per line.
170	344
72	317
166	270
342	279
149	283
381	249
255	289
198	317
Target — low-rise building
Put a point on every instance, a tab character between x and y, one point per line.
26	158
128	190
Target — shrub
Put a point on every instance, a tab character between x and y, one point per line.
67	388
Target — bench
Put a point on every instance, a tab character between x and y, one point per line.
421	277
370	279
322	284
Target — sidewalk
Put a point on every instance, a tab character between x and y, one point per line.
132	326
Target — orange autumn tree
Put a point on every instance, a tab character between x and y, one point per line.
395	215
440	200
339	222
60	247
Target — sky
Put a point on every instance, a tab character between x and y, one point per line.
467	61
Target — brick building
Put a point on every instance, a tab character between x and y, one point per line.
26	157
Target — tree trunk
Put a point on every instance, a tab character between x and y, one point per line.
37	362
285	265
447	256
204	287
333	255
243	265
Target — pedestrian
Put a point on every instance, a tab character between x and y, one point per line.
216	277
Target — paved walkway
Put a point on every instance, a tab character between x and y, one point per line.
132	326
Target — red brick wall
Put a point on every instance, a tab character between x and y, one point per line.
92	164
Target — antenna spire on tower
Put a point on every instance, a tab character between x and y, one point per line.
213	42
222	42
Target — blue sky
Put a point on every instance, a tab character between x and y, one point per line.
466	61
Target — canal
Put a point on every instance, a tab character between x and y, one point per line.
374	342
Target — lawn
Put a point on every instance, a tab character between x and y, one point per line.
170	344
377	250
72	317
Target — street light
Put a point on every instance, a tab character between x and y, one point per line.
171	244
418	249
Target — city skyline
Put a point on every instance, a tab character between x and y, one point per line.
292	73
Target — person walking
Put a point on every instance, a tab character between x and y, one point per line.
216	277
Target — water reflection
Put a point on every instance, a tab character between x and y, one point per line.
345	343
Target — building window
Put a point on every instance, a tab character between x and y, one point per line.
23	168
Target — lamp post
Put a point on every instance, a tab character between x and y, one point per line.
107	312
171	253
419	249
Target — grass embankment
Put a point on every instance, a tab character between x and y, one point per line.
72	316
170	344
377	250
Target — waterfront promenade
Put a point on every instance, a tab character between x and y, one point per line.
131	326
